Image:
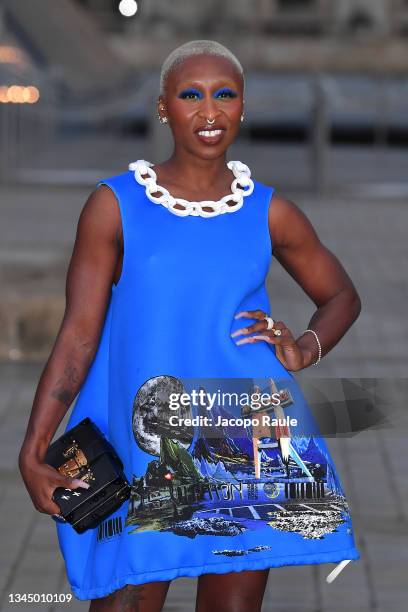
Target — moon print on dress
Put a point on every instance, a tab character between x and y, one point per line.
197	484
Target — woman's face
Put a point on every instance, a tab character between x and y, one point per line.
201	87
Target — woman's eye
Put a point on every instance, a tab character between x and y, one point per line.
189	94
227	93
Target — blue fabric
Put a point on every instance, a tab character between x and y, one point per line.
171	314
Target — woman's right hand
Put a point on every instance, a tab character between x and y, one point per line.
41	480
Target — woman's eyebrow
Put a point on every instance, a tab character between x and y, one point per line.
221	83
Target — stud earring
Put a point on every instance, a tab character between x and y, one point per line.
162	119
242	117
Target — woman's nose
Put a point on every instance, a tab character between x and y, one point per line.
208	107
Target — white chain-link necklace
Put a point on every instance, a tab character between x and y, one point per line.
241	187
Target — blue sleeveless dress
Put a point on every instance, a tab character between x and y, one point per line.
197	504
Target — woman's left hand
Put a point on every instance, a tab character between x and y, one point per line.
287	350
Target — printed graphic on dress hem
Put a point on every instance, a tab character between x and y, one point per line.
226	484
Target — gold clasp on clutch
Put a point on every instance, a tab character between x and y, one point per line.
75	464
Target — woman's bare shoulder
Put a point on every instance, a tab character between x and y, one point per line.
101	213
288	224
281	205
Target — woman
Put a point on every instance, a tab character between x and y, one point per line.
167	284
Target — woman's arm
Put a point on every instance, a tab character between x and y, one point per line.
317	270
88	288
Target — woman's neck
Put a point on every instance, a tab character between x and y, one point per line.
195	172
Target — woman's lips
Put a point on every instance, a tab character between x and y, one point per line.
210	136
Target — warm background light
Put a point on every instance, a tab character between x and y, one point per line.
10	55
18	94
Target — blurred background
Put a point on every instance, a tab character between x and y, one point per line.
326	124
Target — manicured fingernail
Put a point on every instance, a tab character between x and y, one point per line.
240	314
244	340
81	483
238	332
261	337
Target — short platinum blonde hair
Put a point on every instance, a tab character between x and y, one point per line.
196	47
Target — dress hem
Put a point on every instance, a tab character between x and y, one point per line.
216	568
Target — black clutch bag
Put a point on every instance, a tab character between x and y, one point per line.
84	452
